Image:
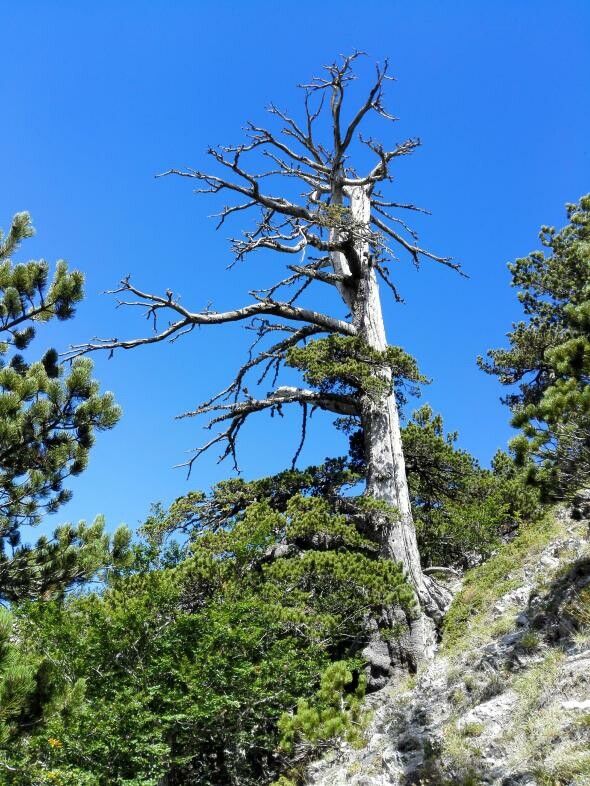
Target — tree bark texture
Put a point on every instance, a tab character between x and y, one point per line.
386	471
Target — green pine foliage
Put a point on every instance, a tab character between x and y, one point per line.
30	691
71	557
198	511
346	364
17	680
334	713
48	418
461	509
549	356
190	662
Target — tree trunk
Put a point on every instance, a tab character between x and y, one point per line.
386	472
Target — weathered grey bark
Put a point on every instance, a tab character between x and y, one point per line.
342	216
386	471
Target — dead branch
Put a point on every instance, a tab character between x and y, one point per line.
414	250
340	404
238	412
319	218
274	355
153	304
312	272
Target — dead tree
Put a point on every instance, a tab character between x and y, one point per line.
338	234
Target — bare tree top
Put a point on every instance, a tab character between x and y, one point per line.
326	173
319	220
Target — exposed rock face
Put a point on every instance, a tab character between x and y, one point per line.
509	708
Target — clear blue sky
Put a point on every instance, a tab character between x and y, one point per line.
98	97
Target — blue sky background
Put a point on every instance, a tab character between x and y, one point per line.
97	98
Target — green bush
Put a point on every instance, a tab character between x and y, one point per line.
335	712
193	671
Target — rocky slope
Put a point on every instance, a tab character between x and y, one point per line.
506	700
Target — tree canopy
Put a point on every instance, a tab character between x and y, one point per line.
48	419
549	355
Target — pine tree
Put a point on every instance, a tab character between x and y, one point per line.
47	422
18	673
461	509
549	356
348	224
189	668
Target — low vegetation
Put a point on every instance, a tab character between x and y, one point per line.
468	619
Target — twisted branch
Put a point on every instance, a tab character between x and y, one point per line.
319	219
238	412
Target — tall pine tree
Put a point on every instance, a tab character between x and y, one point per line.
337	234
549	356
48	418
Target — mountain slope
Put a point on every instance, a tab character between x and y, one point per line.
506	701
